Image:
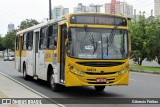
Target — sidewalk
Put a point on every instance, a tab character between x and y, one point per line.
12	89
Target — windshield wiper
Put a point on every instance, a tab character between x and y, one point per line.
111	37
94	44
91	38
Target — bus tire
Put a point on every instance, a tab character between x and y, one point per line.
25	76
54	86
99	88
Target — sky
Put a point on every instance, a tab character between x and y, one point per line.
15	11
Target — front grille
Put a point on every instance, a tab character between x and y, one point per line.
99	73
100	64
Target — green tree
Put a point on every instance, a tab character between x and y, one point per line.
1	43
138	34
9	40
153	43
145	36
27	23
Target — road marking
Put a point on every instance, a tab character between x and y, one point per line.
36	92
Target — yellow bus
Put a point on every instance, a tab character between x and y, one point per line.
81	49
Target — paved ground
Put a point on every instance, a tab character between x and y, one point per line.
14	93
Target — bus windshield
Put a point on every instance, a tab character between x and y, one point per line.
93	43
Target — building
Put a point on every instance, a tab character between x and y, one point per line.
120	8
157	8
10	27
65	11
59	11
83	8
80	8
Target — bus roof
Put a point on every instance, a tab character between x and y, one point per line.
61	18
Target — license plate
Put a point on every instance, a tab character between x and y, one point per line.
101	79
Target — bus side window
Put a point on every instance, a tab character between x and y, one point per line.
52	37
43	38
55	34
17	42
30	40
24	47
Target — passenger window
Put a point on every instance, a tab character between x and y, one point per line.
17	42
24	47
43	38
52	37
30	41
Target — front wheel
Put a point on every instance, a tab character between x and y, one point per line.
54	86
99	88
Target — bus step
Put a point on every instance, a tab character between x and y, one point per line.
35	77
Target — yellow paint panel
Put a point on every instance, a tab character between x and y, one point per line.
17	53
23	54
48	56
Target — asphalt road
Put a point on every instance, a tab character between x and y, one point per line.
141	86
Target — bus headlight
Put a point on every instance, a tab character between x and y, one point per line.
81	73
71	68
76	71
122	72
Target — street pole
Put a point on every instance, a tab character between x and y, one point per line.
50	10
96	7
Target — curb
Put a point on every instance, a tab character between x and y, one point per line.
149	72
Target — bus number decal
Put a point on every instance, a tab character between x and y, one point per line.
91	69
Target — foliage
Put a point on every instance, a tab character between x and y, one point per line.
27	23
9	40
145	39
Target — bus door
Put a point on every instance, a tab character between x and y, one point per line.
62	53
35	53
40	60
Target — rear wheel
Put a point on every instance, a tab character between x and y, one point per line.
25	76
54	86
99	88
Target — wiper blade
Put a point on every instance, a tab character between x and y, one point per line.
110	38
91	38
94	45
92	41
